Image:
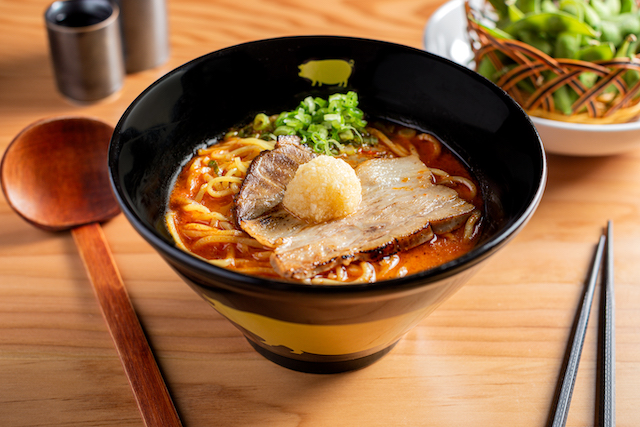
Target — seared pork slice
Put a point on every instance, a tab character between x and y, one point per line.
400	209
268	176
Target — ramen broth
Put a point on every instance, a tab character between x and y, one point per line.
204	225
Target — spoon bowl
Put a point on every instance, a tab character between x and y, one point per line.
54	174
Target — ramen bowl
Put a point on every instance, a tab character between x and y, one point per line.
320	328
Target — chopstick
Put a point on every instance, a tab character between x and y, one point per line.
571	368
608	358
604	250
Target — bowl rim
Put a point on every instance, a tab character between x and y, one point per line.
587	127
248	283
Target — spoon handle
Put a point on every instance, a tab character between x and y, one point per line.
149	389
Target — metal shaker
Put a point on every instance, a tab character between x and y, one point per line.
86	48
145	32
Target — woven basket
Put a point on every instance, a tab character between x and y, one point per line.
595	104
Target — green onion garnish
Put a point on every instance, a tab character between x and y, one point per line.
325	125
214	165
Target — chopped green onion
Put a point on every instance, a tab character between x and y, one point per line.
323	124
261	122
284	130
214	165
332	117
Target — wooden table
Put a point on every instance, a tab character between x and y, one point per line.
490	356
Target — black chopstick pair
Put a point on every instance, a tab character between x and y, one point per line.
606	359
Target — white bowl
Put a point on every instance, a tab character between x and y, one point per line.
445	35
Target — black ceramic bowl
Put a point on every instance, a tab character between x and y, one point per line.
318	328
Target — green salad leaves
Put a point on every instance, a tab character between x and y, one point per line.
325	125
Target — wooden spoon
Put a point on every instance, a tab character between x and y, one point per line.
55	175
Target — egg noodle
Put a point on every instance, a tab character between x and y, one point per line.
200	216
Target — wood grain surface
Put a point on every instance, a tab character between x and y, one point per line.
490	356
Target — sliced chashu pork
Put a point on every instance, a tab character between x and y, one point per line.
400	209
268	176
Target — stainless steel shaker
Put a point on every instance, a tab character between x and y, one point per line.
86	48
145	32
